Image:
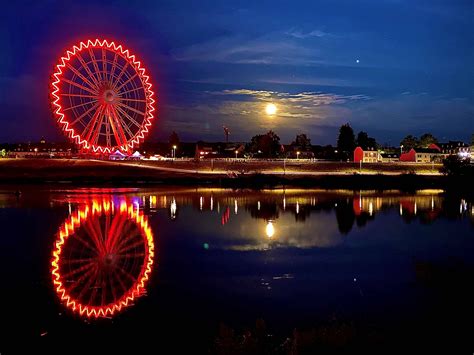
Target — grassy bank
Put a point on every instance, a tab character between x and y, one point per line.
249	174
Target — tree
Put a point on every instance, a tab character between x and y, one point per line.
174	139
346	140
427	139
267	144
302	142
364	141
409	142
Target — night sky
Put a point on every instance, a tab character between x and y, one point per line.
389	67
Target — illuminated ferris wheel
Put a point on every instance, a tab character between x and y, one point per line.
102	258
102	97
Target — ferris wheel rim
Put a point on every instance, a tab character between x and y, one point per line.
126	139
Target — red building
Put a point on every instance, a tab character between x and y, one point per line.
366	156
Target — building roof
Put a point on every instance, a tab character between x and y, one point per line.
389	155
452	144
427	150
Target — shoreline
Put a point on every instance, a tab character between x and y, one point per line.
327	175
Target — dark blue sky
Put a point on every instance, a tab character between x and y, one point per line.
218	63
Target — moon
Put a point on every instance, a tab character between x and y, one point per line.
270	109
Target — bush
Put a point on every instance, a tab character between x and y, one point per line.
454	166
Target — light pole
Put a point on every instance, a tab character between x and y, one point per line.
298	155
174	151
401	149
236	152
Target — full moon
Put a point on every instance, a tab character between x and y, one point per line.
270	109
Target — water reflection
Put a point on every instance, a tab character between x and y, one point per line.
258	220
102	257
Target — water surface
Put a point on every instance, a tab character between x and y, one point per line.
169	265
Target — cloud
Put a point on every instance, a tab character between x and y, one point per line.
302	35
303	98
272	48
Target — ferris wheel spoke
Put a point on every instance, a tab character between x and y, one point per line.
122	123
127	81
94	63
80	105
120	281
88	70
131	256
129	247
121	104
94	125
104	291
131	119
114	65
78	261
133	100
87	132
117	80
86	243
125	273
88	284
75	71
129	91
125	241
94	289
104	64
84	114
114	231
112	286
79	270
80	86
91	229
118	133
80	95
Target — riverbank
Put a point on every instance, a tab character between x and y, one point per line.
224	173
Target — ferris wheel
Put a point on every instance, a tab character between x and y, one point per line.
102	258
101	96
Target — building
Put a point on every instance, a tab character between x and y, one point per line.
422	155
41	149
389	157
454	147
369	155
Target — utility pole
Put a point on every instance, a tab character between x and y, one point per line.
226	133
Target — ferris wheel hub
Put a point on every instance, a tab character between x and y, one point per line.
109	96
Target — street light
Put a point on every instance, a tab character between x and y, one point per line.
174	151
298	155
236	152
401	149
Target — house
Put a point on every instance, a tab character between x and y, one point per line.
422	155
370	155
458	148
389	157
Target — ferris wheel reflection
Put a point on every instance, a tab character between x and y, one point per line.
102	258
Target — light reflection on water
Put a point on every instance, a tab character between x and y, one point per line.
285	255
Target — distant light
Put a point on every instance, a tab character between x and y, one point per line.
270	109
206	246
357	61
269	229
